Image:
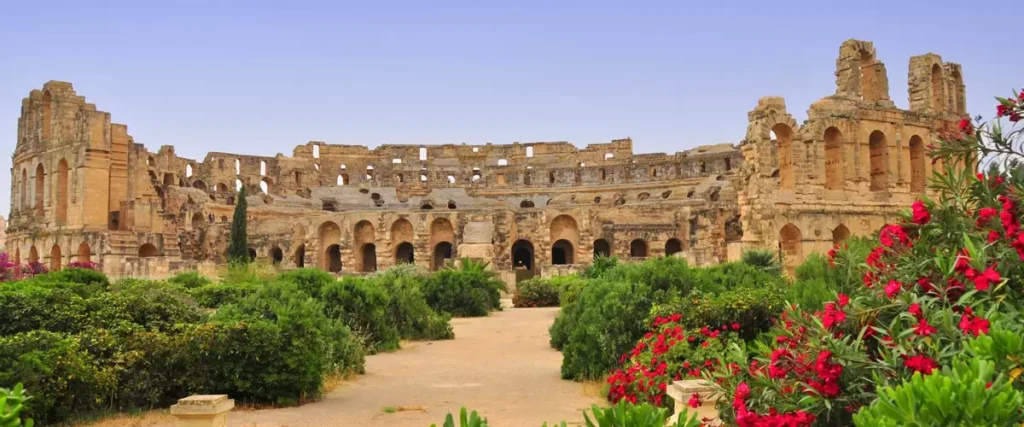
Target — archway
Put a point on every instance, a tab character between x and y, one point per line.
222	188
833	159
23	200
252	254
276	256
522	255
879	161
168	179
333	258
673	246
84	253
197	220
147	251
784	139
840	234
564	227
401	231
405	253
369	258
300	256
917	164
442	252
62	191
602	248
55	256
790	247
329	235
526	204
562	253
936	86
266	185
638	248
199	185
40	181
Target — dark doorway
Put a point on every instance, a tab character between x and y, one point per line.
522	255
276	255
369	258
638	248
300	256
442	252
562	253
602	248
404	253
334	258
252	254
673	246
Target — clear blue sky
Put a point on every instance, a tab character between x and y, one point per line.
260	77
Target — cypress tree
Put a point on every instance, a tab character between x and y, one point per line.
238	250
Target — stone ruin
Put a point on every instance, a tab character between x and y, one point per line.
84	190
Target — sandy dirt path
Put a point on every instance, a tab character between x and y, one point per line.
500	365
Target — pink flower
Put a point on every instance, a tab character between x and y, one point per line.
694	401
915	309
843	300
920	213
923	329
982	281
985	215
893	288
920	363
973	325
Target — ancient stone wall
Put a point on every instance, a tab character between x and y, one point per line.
83	189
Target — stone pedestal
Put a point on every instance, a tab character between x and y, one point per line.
205	410
682	391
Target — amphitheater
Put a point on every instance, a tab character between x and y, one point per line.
84	190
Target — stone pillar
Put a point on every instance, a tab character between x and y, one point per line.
204	410
682	391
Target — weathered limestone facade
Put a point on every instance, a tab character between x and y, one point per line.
83	190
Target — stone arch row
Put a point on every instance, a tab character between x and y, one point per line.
563	252
791	243
364	245
60	184
836	157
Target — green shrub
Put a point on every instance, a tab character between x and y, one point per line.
762	259
189	279
819	281
146	366
969	393
469	291
465	420
142	306
751	308
64	378
34	306
569	287
309	280
414	318
606	322
95	280
536	292
363	305
217	294
12	403
626	414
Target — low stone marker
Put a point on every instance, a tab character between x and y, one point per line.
203	410
682	391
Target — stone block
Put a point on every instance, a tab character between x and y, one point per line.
204	410
682	391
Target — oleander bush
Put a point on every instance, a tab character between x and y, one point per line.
536	292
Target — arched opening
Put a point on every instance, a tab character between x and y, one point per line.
364	234
238	167
442	252
168	179
833	159
955	93
790	247
33	255
526	204
840	234
369	173
23	201
329	235
147	251
62	191
300	256
673	246
879	161
265	185
917	164
369	258
551	177
276	256
188	170
40	178
602	248
222	188
604	174
47	123
638	248
199	185
84	253
198	220
451	204
562	253
342	179
252	254
55	258
405	253
784	139
399	178
263	167
238	185
936	86
522	255
451	179
442	238
333	258
527	178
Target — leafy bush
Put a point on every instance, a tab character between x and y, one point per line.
966	394
66	380
753	309
97	281
189	279
12	402
472	420
34	306
536	292
600	326
309	280
762	259
408	306
820	278
217	294
363	305
627	414
142	306
469	291
145	366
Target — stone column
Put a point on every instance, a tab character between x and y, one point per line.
204	410
682	391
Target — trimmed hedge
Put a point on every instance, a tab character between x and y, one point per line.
536	292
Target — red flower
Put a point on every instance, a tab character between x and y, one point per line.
924	329
742	391
915	309
966	127
982	281
973	325
1002	110
893	288
993	236
920	213
920	363
694	401
735	326
985	215
843	300
891	232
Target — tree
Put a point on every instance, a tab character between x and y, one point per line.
238	248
